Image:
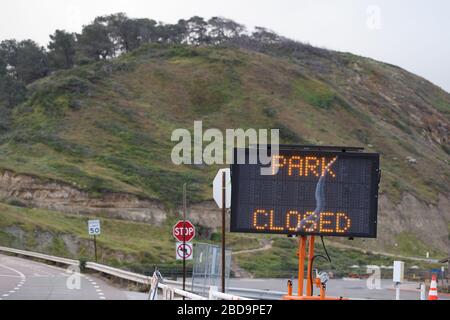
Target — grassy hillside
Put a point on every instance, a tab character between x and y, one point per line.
138	246
141	247
106	127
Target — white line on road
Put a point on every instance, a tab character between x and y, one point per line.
21	275
14	270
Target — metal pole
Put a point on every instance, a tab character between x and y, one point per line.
95	247
310	257
301	264
422	292
397	291
223	230
184	237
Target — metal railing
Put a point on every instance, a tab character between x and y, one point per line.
122	274
41	256
170	289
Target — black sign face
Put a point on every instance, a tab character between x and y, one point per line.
307	193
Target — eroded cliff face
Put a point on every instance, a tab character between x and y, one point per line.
65	198
428	223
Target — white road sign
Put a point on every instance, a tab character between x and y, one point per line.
187	251
217	188
94	227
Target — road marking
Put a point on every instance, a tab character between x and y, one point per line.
37	266
14	270
103	298
21	275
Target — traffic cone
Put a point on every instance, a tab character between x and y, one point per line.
433	294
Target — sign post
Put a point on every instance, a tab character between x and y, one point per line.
184	231
94	230
223	231
184	237
222	196
397	277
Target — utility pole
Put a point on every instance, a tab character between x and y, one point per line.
184	235
223	229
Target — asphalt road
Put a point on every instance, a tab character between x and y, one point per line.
22	279
349	288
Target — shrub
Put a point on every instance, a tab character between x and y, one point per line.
83	261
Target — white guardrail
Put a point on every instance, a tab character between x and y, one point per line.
41	256
170	289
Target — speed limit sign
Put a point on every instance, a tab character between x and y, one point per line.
94	227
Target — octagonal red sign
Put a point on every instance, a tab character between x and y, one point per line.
179	232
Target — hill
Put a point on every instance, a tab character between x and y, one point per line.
95	139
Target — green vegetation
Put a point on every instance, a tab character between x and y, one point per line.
282	261
137	246
443	104
103	124
314	92
107	126
141	247
408	244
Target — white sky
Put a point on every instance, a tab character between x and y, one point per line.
413	34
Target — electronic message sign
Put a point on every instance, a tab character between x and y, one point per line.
308	192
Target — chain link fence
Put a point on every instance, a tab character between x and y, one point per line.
207	268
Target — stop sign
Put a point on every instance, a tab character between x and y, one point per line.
188	230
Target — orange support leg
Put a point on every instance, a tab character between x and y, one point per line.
301	264
289	288
301	275
310	257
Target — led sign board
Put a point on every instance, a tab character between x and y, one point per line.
309	192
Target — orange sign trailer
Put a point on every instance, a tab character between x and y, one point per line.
301	275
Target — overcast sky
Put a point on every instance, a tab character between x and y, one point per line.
413	34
